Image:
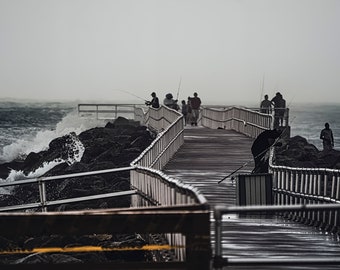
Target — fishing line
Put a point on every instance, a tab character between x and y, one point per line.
132	94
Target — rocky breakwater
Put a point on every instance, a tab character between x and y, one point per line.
112	146
297	152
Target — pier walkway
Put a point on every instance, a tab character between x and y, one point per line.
206	157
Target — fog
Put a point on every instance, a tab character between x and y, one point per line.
229	52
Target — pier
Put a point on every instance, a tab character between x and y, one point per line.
177	195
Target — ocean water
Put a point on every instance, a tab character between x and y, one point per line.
30	127
307	120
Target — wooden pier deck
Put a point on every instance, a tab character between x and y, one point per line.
206	157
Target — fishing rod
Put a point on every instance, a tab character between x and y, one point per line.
262	88
265	150
251	160
132	94
179	86
230	174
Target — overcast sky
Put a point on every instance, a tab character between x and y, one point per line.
229	52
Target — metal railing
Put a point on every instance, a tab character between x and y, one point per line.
43	202
170	127
246	121
148	178
307	186
220	261
109	111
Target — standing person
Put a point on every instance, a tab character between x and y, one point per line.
189	110
170	102
266	105
282	110
195	103
279	109
185	108
154	101
326	136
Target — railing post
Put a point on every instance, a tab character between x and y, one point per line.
42	194
198	246
218	239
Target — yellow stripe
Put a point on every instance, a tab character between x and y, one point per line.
88	249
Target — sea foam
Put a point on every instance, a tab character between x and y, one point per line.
71	125
40	140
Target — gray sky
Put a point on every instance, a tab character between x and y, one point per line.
224	50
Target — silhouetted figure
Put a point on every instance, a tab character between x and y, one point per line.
279	109
326	136
154	103
195	103
185	108
260	149
266	105
170	102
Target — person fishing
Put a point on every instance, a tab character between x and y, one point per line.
154	103
170	102
279	109
266	105
260	149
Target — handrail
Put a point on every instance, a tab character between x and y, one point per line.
107	111
246	121
170	126
293	185
41	181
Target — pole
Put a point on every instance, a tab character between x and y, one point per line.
179	86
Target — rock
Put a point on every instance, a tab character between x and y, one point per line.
113	146
297	152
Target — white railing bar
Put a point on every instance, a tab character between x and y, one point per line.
20	207
71	200
222	210
303	169
315	260
176	182
306	195
166	148
93	197
58	177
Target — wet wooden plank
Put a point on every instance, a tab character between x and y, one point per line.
206	157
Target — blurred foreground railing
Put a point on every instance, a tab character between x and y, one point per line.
190	221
